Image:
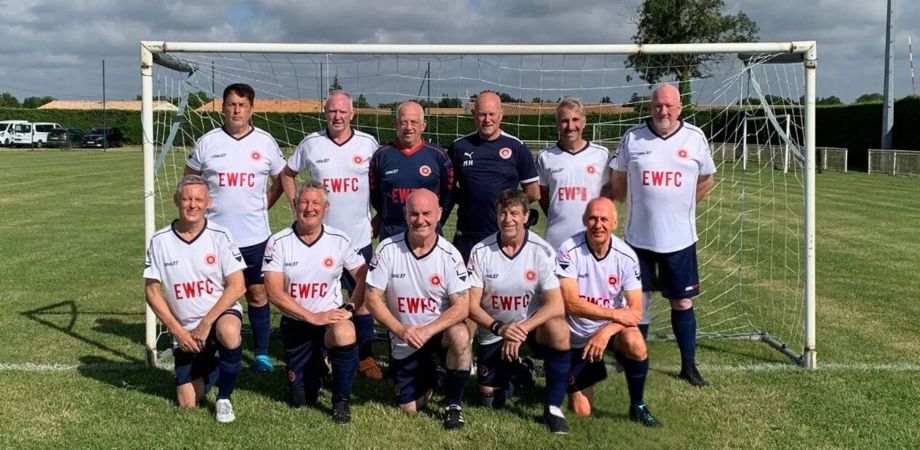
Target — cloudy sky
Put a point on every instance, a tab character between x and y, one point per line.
56	48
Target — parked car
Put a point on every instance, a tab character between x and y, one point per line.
103	137
6	131
32	134
65	137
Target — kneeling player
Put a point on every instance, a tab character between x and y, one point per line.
417	288
303	265
599	278
515	298
201	269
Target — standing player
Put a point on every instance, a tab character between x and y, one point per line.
417	288
599	278
339	157
487	162
199	268
515	298
303	267
572	172
405	165
664	168
238	160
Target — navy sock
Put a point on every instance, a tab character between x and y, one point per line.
229	364
684	325
635	372
456	384
643	328
260	318
364	329
344	367
556	364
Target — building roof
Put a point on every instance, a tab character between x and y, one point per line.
126	105
288	105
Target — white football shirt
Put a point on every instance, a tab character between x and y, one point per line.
600	281
661	176
416	289
512	285
343	169
572	179
312	272
238	173
193	273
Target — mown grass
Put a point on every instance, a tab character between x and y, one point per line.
71	241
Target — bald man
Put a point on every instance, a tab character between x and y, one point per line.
599	278
417	287
487	162
663	168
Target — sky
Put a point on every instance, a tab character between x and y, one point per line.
57	48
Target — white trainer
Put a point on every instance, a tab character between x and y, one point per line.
224	411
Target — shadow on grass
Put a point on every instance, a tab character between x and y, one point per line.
156	382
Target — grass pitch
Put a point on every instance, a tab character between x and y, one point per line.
71	375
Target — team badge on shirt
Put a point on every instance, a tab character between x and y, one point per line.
210	259
682	153
612	280
434	280
255	155
591	169
357	159
505	153
530	275
424	170
328	262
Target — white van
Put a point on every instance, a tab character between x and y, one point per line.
32	134
6	131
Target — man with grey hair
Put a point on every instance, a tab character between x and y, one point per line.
194	276
339	158
406	165
572	172
303	266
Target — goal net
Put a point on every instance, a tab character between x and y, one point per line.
752	101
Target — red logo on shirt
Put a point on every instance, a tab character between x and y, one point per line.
328	262
292	376
434	280
255	155
424	170
682	153
505	153
530	275
357	159
591	169
612	279
210	259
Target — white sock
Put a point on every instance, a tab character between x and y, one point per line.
554	410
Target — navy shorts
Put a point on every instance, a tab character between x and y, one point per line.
418	372
303	343
348	282
583	373
253	256
675	274
192	366
466	241
493	370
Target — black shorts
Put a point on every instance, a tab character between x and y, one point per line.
583	373
348	282
303	343
192	366
418	372
493	370
675	274
253	256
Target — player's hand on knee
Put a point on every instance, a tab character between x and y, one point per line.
200	334
332	316
186	342
513	332
594	350
510	350
416	337
628	317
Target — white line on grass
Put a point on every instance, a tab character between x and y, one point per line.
58	367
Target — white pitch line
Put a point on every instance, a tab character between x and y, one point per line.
58	367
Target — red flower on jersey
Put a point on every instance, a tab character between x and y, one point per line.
682	153
505	153
328	262
291	375
612	280
255	155
424	170
210	259
434	280
357	160
530	275
591	169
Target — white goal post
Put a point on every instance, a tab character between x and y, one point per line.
757	227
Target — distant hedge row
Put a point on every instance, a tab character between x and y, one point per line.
856	127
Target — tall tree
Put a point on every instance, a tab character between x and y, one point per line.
361	102
874	97
336	86
8	100
685	22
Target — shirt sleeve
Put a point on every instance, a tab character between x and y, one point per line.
378	271
474	267
707	165
446	190
541	170
565	262
351	259
195	159
457	277
374	183
629	273
278	160
545	272
151	264
527	170
274	257
298	158
231	260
